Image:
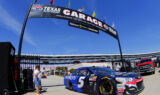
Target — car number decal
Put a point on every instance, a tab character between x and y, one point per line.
81	82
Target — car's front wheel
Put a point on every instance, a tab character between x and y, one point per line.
106	87
153	72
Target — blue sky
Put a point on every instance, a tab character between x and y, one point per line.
137	22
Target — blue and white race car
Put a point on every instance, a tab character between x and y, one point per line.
104	81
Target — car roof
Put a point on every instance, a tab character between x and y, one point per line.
93	67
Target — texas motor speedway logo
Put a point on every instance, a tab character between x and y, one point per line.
37	8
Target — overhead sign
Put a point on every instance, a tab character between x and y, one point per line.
88	22
77	25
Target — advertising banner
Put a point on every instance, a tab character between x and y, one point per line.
82	20
81	26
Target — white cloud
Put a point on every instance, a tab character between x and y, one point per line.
11	23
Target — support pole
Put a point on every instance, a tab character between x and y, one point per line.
21	39
121	55
22	32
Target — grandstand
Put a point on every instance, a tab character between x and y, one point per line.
69	60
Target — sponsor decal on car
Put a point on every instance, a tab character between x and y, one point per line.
120	87
70	77
134	81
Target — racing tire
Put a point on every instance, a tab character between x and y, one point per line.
106	87
5	92
153	72
70	86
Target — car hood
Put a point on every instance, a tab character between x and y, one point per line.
121	74
127	74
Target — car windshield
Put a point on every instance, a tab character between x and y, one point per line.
102	70
146	60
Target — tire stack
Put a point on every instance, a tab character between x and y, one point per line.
28	80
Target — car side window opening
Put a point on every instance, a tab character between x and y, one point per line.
89	72
76	73
84	72
103	70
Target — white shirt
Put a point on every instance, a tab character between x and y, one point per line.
118	68
36	73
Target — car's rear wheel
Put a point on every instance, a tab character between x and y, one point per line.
106	87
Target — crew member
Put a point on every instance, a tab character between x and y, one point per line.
117	67
37	80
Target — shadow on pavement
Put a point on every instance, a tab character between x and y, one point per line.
147	74
54	85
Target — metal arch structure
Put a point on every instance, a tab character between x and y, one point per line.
75	18
22	32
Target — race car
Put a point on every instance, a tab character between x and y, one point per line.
103	81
